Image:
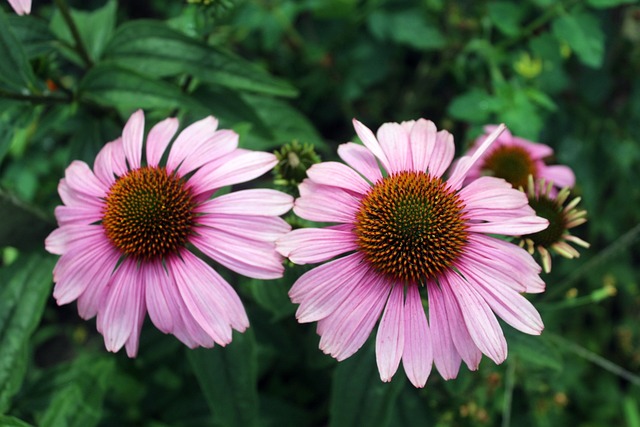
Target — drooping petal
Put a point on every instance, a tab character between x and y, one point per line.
390	336
417	355
132	139
159	138
324	275
445	355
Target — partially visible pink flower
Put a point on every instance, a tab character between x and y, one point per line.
404	238
514	159
22	7
127	226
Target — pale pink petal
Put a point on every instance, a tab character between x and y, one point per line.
104	166
442	154
324	203
360	159
338	175
562	176
263	228
252	258
258	202
21	7
209	299
213	148
159	138
322	276
190	140
394	140
62	238
535	149
417	355
509	305
510	227
79	215
131	346
349	326
423	141
370	141
239	166
80	178
121	308
132	139
492	193
390	336
312	245
480	320
465	163
445	355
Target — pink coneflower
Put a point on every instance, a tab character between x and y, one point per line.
514	159
410	235
556	237
22	7
126	227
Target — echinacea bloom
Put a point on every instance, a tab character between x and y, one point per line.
556	237
514	159
127	226
21	7
404	234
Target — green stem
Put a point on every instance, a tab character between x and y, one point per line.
36	99
79	46
509	385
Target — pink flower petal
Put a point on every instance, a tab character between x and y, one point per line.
510	227
360	159
248	257
492	193
258	202
390	337
338	175
133	341
324	203
191	140
442	155
263	228
120	311
370	141
423	141
394	141
132	139
21	7
80	178
417	355
323	276
445	355
161	297
159	138
62	238
78	215
312	245
105	167
562	176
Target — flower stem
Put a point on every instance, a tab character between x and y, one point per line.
509	385
79	45
36	99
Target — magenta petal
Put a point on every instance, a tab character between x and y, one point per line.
121	308
360	159
239	166
338	175
259	202
63	238
133	341
394	141
159	138
511	226
77	215
324	275
417	355
390	336
480	320
445	355
104	166
190	140
442	155
161	296
263	228
492	193
132	138
562	176
324	203
80	178
312	245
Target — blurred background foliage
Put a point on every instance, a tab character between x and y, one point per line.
565	73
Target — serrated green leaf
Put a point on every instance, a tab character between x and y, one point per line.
95	28
358	396
228	378
7	421
506	16
150	47
474	106
26	285
112	86
22	226
80	392
15	70
582	32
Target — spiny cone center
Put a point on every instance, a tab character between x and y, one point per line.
410	227
148	213
550	210
511	163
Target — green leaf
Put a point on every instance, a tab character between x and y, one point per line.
152	48
358	396
34	35
26	285
407	27
110	85
582	32
80	392
22	226
506	16
7	421
474	106
532	350
95	28
15	70
228	378
603	4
